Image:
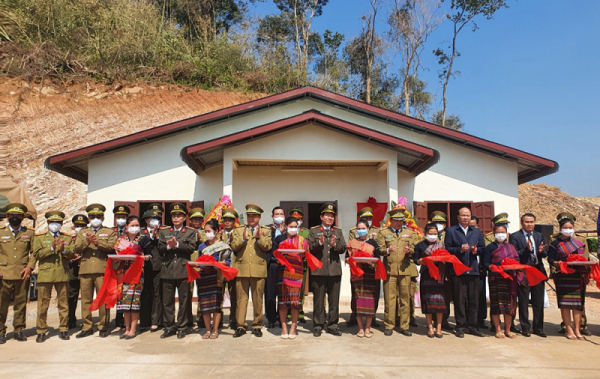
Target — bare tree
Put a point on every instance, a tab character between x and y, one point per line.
411	23
370	40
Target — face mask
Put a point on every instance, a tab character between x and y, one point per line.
369	222
133	229
278	220
361	232
96	223
54	227
501	237
299	223
292	231
210	235
439	227
78	229
154	223
14	221
121	222
567	232
432	237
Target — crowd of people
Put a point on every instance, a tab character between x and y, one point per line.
139	270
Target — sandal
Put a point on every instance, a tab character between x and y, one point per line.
360	334
206	336
438	335
214	336
499	335
572	337
581	338
292	334
510	335
368	334
430	333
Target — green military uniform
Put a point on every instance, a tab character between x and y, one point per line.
79	221
302	232
53	263
399	268
251	262
225	236
152	281
15	256
196	213
92	267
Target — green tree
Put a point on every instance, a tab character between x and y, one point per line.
330	68
451	121
419	100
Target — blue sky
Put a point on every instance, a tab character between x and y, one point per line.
529	79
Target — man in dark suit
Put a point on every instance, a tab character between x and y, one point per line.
466	242
531	249
277	228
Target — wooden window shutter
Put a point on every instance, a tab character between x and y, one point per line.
420	213
484	211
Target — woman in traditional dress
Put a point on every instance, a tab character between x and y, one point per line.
365	286
210	284
570	288
289	285
128	302
503	291
433	296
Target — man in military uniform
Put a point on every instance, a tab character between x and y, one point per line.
440	219
397	246
196	220
299	215
121	213
363	214
79	221
326	242
151	314
228	217
302	232
53	251
94	244
277	228
251	243
16	264
176	245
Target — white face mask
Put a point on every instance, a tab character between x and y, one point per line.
278	220
96	223
54	227
567	232
292	231
209	235
439	227
121	222
299	223
154	223
501	237
432	237
78	229
133	229
369	222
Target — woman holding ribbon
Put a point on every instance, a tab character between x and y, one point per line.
210	283
365	281
129	294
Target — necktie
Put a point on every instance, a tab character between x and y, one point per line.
397	233
15	232
533	254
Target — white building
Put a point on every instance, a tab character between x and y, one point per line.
302	148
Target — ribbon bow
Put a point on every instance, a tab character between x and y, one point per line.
358	272
534	276
441	255
313	262
228	272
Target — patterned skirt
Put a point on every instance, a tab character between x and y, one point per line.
210	291
433	295
289	286
364	292
129	296
570	293
501	300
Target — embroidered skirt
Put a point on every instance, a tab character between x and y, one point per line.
570	292
129	296
210	291
289	286
364	292
502	301
433	295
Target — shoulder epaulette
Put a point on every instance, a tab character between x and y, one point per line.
335	227
40	234
165	227
353	228
554	235
489	234
318	226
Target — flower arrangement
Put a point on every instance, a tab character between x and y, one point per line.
410	221
217	211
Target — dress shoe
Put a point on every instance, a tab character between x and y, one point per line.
64	336
413	323
122	336
526	333
406	333
168	333
20	337
460	333
514	329
271	325
257	332
447	327
436	335
351	322
41	338
482	325
180	334
103	333
586	332
85	333
540	333
475	332
2	339
388	332
375	324
317	332
239	332
334	331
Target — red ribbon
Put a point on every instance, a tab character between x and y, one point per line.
228	272
534	276
441	255
358	272
108	293
594	269
313	262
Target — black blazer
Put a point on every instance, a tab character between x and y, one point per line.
455	238
519	241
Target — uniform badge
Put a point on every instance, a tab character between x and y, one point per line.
103	235
25	236
5	237
405	236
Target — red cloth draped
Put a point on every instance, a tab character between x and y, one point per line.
379	209
594	272
534	276
357	271
228	272
444	256
108	293
313	262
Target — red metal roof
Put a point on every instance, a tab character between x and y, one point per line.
533	166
